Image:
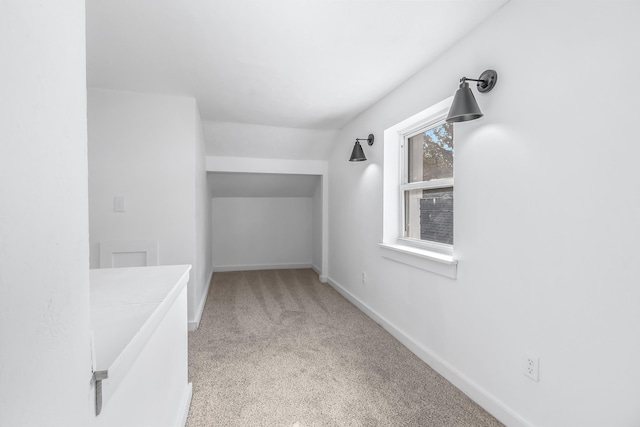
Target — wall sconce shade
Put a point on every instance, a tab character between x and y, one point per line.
464	106
357	155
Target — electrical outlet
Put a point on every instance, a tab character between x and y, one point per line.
364	277
532	367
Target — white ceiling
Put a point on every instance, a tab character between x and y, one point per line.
291	63
223	184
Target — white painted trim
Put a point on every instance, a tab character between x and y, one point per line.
434	262
325	228
483	398
195	324
323	279
427	117
181	419
110	247
279	166
223	268
427	185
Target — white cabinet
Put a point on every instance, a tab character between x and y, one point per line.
139	324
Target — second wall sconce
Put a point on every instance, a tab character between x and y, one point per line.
464	106
357	155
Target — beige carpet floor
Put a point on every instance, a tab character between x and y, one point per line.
279	348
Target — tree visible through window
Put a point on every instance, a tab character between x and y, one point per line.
428	185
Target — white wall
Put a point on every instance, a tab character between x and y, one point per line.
148	149
546	220
204	263
261	232
45	360
274	142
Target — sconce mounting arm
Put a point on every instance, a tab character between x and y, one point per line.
369	139
486	82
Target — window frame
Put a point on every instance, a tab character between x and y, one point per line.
433	121
393	246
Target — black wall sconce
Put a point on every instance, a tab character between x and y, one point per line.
357	155
464	106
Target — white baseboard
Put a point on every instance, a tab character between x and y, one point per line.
323	279
195	324
181	420
486	400
223	268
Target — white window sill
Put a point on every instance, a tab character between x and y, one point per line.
434	262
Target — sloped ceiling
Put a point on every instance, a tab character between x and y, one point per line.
311	64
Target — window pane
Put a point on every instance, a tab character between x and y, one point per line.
429	215
431	154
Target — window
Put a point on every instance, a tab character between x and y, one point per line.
418	192
427	187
